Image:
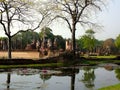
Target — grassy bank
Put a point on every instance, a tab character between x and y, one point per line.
32	65
54	62
95	62
113	87
60	64
107	57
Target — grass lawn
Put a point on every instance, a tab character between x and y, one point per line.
95	62
113	87
110	56
100	60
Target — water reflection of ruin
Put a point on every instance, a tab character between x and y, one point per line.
46	74
64	72
87	78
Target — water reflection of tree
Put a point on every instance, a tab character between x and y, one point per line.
73	79
64	72
44	77
71	72
117	71
8	81
88	77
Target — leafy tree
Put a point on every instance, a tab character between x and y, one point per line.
90	33
98	43
16	41
60	42
20	40
3	38
88	40
46	32
76	11
98	46
3	43
117	42
80	43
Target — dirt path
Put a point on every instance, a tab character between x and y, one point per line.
17	54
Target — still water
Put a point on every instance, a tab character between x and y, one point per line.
74	78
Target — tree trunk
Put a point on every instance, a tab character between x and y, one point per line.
73	40
9	48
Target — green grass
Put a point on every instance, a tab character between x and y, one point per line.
113	87
95	62
111	56
31	65
101	57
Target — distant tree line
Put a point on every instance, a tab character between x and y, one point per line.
85	44
22	39
89	44
3	43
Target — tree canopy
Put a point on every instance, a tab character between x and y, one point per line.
20	13
28	12
75	12
88	40
46	32
117	41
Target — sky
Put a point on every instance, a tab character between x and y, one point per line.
109	18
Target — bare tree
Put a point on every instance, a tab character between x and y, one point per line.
14	12
77	11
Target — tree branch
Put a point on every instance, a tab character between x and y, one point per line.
4	28
64	18
1	21
31	29
81	12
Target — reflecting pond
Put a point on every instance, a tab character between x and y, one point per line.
65	78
